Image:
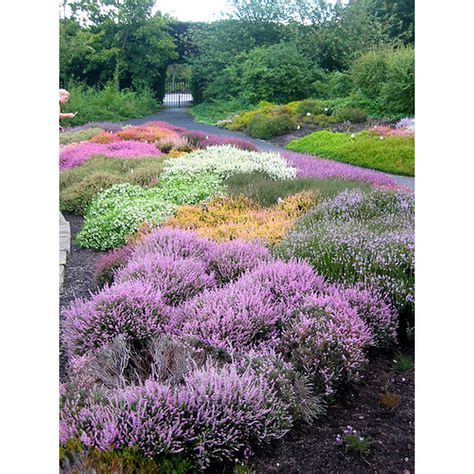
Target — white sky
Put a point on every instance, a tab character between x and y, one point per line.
193	10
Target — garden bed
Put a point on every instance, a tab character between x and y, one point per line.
236	309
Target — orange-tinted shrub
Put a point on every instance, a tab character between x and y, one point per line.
225	219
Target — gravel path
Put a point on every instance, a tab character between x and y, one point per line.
181	117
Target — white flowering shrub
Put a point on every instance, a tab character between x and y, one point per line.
226	161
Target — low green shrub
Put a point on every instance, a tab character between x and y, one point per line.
268	192
76	198
118	212
215	111
107	104
66	138
268	126
79	185
351	114
389	154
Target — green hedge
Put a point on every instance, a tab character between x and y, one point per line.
390	154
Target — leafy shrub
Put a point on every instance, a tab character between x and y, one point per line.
268	192
264	127
79	185
225	219
398	91
352	115
387	77
77	197
189	189
65	138
117	212
391	155
108	104
133	309
277	73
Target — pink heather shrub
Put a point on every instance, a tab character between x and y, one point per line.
327	341
230	318
177	279
134	309
72	156
217	415
287	284
232	259
375	310
178	243
203	140
109	263
386	131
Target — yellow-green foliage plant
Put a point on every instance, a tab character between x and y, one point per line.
225	219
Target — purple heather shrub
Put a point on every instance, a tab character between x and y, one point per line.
293	387
375	309
406	123
232	259
312	167
109	263
134	309
287	284
229	318
327	342
177	279
360	237
178	243
76	154
218	414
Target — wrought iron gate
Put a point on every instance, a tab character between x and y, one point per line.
177	94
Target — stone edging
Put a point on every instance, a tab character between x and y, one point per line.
64	246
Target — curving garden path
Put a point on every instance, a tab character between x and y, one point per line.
181	117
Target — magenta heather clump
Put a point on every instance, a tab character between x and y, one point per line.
177	279
232	259
313	167
76	154
327	341
134	309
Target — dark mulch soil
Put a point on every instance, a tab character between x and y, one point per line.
313	450
346	127
310	449
79	278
